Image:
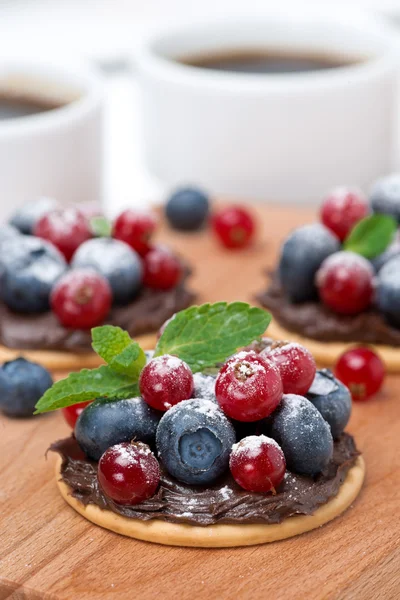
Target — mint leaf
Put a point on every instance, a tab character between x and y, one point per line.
115	346
371	236
205	335
87	385
100	227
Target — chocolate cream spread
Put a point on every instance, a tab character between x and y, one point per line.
314	320
223	502
146	313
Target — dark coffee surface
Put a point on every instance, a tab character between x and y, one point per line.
12	107
264	61
222	502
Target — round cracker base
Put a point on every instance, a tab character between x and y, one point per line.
218	536
60	360
327	353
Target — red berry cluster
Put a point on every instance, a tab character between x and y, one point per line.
82	300
345	280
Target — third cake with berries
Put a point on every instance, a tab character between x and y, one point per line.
213	440
337	281
63	271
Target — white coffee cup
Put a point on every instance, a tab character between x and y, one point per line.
57	153
286	137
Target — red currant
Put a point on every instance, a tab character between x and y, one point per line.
234	226
342	209
135	229
66	229
81	299
162	270
71	413
128	473
345	283
248	387
257	463
296	366
362	370
165	381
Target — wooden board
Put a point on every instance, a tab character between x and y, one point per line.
48	551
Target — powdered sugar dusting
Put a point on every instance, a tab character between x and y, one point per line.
252	446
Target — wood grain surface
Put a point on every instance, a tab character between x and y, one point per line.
48	551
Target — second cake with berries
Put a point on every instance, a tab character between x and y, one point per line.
209	441
337	282
59	278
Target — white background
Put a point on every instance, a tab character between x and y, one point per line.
106	33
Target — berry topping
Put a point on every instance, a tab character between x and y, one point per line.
304	436
81	299
257	463
332	399
234	227
248	387
116	261
29	267
187	209
26	217
135	229
67	229
165	381
301	256
392	251
388	291
128	473
106	422
362	371
71	413
296	366
8	232
162	270
204	387
22	384
194	440
385	196
342	209
345	283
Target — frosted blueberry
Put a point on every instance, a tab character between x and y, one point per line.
22	384
302	254
332	399
385	196
187	209
29	267
303	434
107	422
204	387
194	440
388	291
116	261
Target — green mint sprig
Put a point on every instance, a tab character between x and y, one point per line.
371	236
200	335
101	227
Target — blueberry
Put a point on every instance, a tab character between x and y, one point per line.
25	218
388	291
194	440
204	387
392	251
107	422
385	196
301	256
332	399
187	209
116	261
304	436
22	384
29	267
8	232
